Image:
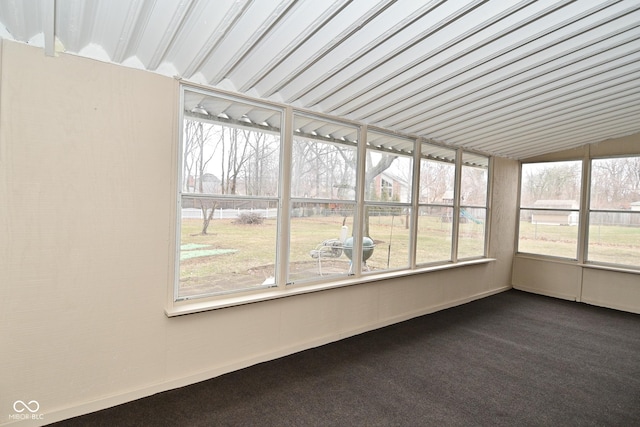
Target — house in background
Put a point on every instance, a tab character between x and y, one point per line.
389	186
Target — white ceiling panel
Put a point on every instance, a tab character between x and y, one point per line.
509	78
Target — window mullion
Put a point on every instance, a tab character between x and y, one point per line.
415	205
284	220
455	225
583	234
360	207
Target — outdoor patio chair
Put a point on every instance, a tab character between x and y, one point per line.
328	249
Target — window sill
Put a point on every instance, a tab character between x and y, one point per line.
567	261
611	268
191	306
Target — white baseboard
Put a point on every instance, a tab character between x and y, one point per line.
545	292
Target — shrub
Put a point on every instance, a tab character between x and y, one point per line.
249	218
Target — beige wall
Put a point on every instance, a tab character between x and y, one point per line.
571	280
87	165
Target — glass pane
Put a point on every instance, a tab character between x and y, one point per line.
388	177
229	147
471	232
615	183
614	237
323	165
433	242
553	233
553	185
436	182
388	229
473	189
226	245
318	233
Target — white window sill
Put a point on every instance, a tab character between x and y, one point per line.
567	261
191	306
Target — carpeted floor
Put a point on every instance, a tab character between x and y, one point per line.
513	359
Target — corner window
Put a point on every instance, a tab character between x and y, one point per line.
550	208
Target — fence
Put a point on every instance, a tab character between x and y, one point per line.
192	213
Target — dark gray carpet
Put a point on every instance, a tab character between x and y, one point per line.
513	359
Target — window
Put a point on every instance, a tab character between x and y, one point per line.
473	206
323	198
388	181
435	208
549	208
229	195
386	188
261	210
614	211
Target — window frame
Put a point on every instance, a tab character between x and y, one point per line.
182	195
381	203
589	210
301	199
459	206
184	305
584	211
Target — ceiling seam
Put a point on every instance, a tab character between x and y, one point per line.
465	52
368	49
424	35
514	48
275	17
552	108
355	27
418	118
513	100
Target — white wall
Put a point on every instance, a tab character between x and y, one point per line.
87	155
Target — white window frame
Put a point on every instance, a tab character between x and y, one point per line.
179	306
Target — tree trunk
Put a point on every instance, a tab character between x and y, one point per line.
207	216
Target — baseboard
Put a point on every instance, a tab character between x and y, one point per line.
612	306
149	390
545	292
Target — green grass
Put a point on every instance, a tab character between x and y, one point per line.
607	243
244	255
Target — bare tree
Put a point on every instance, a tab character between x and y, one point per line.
372	171
552	182
615	182
198	153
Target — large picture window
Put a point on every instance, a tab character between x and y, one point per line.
614	211
271	200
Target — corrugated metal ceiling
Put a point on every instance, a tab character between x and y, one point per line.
510	78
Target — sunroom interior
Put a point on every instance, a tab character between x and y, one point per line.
190	188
